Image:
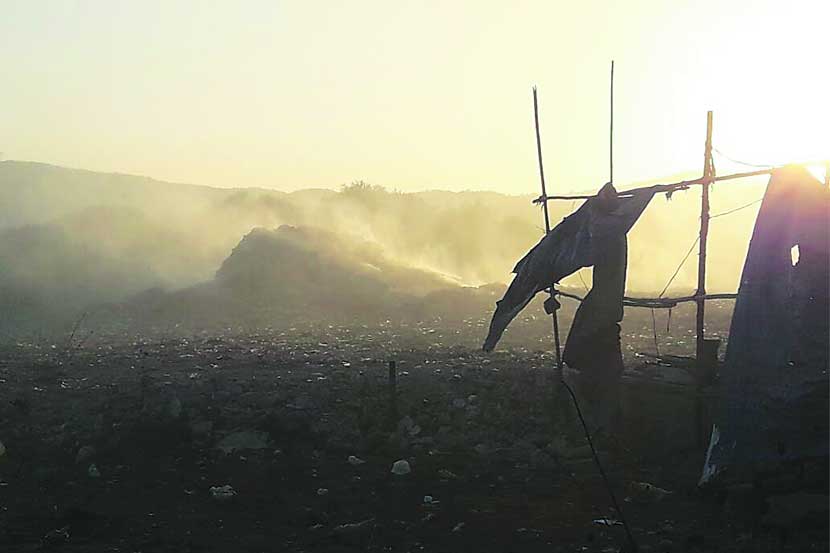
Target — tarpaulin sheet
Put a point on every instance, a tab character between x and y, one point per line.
594	232
773	407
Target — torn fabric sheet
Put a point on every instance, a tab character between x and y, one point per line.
578	241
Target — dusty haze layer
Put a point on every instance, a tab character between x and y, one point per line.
73	241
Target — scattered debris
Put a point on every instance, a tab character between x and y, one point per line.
93	471
222	493
353	527
447	474
354	461
2	449
458	527
401	467
607	522
322	491
645	492
57	536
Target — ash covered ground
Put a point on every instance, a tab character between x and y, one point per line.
114	444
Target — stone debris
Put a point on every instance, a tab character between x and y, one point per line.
222	493
401	467
353	527
647	493
57	536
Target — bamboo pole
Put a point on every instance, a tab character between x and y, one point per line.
552	290
539	156
611	132
700	300
708	175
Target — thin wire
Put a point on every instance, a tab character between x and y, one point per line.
654	330
733	160
599	466
680	266
736	209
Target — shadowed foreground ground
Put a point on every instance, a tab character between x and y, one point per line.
475	429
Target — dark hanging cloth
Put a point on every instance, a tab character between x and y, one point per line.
592	235
774	402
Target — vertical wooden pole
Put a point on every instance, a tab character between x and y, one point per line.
708	175
555	314
827	174
611	131
539	155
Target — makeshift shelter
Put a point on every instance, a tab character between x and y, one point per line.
772	403
772	398
773	406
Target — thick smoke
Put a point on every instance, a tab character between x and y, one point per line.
76	241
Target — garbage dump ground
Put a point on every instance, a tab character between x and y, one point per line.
287	441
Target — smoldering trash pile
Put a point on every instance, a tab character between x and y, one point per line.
304	273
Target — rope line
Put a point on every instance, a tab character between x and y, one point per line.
736	209
608	487
666	287
739	162
654	331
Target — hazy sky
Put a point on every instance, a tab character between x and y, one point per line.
411	95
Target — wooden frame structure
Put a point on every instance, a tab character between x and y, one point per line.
702	374
705	181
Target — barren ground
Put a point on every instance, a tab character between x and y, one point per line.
478	437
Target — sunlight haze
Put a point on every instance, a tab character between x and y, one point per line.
410	95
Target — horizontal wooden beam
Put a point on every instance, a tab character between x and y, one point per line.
657	303
671	187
